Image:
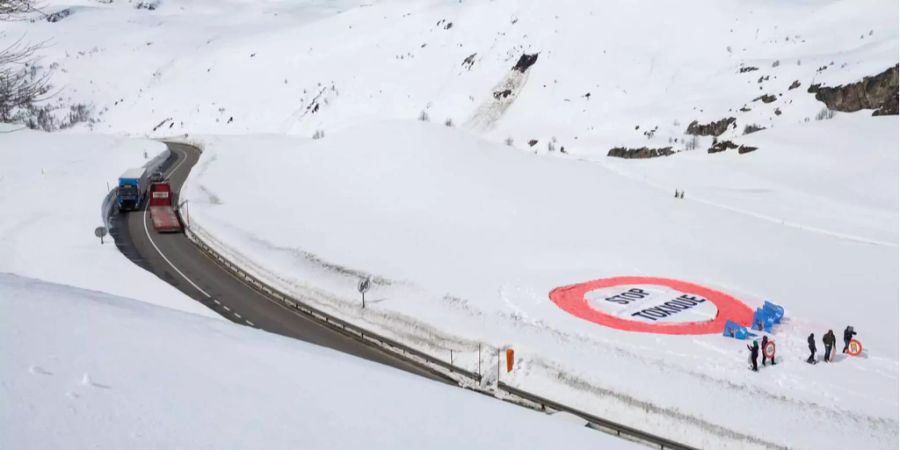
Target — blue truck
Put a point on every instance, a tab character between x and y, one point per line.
132	189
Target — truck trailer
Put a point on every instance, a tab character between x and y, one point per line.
162	212
132	188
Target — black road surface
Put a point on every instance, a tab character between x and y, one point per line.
177	261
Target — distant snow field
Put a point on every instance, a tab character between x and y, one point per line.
457	153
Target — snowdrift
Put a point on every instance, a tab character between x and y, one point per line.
143	377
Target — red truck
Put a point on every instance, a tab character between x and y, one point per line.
161	211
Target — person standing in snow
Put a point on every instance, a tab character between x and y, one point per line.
765	340
811	340
754	354
848	335
829	341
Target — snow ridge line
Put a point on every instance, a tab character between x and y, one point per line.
465	378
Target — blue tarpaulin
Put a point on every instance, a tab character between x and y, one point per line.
777	312
766	317
736	331
763	320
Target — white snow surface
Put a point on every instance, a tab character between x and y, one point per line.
466	236
466	239
83	369
52	187
239	66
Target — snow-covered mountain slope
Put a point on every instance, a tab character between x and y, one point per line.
467	239
605	74
52	188
467	236
82	369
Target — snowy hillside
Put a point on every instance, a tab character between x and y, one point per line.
605	74
467	238
457	151
142	377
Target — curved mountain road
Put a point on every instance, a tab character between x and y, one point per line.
177	261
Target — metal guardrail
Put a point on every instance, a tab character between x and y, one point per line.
422	359
596	422
328	319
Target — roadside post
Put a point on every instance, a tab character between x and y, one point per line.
100	232
186	215
362	287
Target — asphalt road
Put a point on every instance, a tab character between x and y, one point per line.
175	259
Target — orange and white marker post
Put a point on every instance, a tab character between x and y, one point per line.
510	358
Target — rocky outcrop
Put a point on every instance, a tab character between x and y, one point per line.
877	92
721	146
794	85
753	128
59	15
502	94
640	153
469	61
525	61
767	98
748	69
710	129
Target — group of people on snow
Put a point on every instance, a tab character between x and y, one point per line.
754	353
828	339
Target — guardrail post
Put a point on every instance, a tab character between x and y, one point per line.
479	360
498	368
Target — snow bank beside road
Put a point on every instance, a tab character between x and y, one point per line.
140	377
51	190
467	238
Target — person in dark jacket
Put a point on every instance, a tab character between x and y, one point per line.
765	340
829	342
811	340
754	354
848	335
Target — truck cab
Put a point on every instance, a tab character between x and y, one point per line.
130	192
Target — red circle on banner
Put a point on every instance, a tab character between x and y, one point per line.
769	349
855	347
572	300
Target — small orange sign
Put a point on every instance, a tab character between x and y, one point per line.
510	357
855	348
